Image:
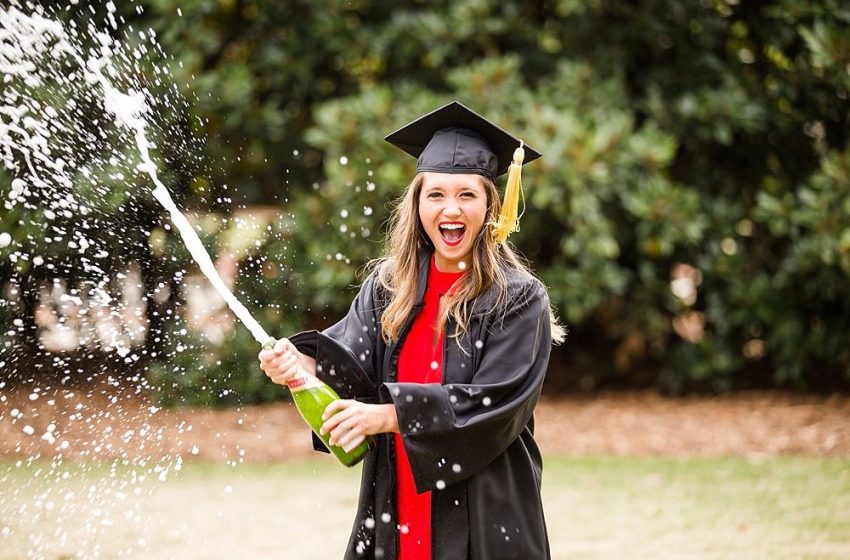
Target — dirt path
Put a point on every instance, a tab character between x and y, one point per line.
116	423
646	423
152	507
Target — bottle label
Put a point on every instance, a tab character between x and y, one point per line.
303	382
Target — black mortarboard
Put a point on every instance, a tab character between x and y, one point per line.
456	139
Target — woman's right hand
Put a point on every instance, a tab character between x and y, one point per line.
281	363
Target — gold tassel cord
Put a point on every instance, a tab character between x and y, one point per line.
508	221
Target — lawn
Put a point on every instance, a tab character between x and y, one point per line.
597	508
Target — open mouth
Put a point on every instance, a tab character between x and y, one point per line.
452	233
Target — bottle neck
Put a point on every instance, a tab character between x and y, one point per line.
303	380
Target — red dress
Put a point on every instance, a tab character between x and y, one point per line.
420	361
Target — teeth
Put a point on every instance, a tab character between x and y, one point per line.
452	226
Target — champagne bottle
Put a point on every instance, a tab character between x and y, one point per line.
311	396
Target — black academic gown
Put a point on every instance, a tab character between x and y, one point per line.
469	439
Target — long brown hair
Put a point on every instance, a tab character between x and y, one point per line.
398	269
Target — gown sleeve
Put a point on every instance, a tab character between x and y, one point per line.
345	353
451	432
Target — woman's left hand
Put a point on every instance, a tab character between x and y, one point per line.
349	422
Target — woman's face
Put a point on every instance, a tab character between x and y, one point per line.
452	209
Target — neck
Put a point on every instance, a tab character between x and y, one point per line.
448	266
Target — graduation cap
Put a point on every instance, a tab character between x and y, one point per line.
456	139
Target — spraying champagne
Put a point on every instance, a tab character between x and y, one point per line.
311	397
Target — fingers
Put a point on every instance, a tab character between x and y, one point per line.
285	377
287	366
277	364
266	355
352	445
279	367
349	422
345	423
283	345
334	414
348	434
342	431
336	406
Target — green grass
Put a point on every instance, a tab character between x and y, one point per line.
597	508
698	508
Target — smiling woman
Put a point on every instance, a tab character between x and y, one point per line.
452	209
442	357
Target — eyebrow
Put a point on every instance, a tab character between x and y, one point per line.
443	188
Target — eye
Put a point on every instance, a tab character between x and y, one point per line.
434	194
468	194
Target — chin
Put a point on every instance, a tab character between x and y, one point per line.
453	257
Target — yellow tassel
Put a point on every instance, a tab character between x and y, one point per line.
508	221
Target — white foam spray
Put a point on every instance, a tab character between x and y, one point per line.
129	109
37	33
59	81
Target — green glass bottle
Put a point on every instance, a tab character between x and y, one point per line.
311	396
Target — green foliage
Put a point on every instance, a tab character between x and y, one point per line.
708	139
601	194
192	371
711	137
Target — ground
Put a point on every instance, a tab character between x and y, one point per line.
101	472
115	422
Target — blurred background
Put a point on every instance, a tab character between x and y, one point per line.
689	216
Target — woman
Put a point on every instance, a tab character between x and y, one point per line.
441	358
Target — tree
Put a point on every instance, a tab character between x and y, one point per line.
688	215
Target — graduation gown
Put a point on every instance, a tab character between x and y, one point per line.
469	439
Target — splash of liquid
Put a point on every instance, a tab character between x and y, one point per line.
128	110
59	82
38	32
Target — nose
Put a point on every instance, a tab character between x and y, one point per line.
452	208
